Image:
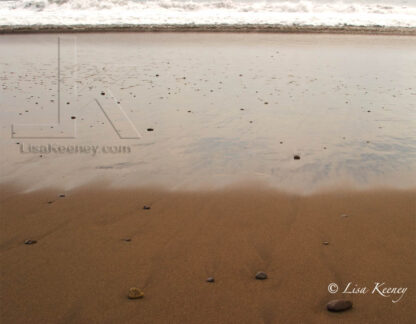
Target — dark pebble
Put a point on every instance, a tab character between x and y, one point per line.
325	243
102	93
50	201
296	157
338	305
210	279
73	117
261	275
150	129
127	240
146	207
62	195
29	242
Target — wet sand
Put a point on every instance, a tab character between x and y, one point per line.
222	107
218	28
81	268
219	121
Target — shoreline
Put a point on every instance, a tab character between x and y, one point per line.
217	28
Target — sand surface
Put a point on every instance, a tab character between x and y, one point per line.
223	107
81	269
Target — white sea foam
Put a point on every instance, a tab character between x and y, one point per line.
397	13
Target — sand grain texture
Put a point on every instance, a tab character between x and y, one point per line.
81	268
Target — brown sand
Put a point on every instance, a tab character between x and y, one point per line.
81	269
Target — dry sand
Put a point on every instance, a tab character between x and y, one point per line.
80	269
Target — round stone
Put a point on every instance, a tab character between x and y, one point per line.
135	293
261	275
338	305
296	157
210	279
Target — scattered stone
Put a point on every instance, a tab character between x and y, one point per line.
266	103
102	93
135	293
62	195
261	275
50	201
73	117
296	157
241	108
30	242
325	243
127	240
210	279
344	215
338	305
281	142
251	121
150	129
145	207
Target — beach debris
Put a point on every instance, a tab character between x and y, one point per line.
150	129
325	243
30	242
210	279
135	293
338	305
296	157
145	207
261	275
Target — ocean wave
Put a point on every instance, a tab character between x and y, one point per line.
307	12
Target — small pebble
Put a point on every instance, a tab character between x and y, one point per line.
210	279
146	207
29	242
73	117
150	129
135	293
50	201
62	195
344	215
102	93
261	275
127	240
338	305
296	157
325	243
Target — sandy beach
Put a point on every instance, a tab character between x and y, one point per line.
96	243
158	160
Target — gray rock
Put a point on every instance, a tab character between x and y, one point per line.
261	275
29	242
210	279
338	305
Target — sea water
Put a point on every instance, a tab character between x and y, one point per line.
389	13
